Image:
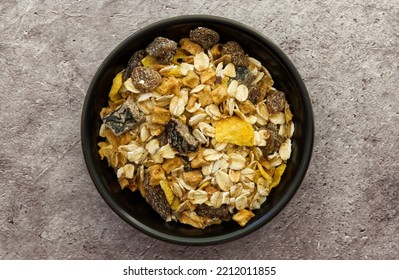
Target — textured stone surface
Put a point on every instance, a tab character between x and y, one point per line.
347	53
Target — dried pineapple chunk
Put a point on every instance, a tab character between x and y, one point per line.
235	131
277	175
116	85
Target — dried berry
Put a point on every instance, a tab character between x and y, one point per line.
133	63
273	143
256	95
162	49
125	117
237	53
244	75
204	37
180	138
145	79
208	211
275	101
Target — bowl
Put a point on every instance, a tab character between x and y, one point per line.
131	207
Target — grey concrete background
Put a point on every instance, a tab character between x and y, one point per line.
346	51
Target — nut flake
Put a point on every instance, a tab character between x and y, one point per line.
201	61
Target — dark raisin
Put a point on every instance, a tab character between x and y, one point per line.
275	101
124	118
180	138
204	37
145	79
238	57
134	61
208	211
244	75
155	196
162	49
273	143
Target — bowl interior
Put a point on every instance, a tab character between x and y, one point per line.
131	206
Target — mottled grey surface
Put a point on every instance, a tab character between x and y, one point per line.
347	207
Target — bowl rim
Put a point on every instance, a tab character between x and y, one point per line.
223	238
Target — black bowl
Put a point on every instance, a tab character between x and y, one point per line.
131	206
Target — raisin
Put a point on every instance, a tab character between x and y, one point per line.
124	118
244	75
133	63
204	37
180	138
238	57
155	196
273	143
162	49
145	79
211	212
275	101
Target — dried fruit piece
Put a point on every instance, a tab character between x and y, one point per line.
234	49
162	49
204	36
243	216
170	164
277	175
235	131
160	115
275	101
273	143
179	137
124	118
255	95
116	85
193	178
208	211
145	79
168	191
157	174
190	47
244	75
155	196
133	63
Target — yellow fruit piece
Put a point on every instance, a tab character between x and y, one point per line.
149	61
179	56
235	131
277	175
167	190
175	204
116	85
264	174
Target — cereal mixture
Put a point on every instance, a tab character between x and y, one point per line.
198	129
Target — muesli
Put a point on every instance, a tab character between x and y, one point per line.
198	129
